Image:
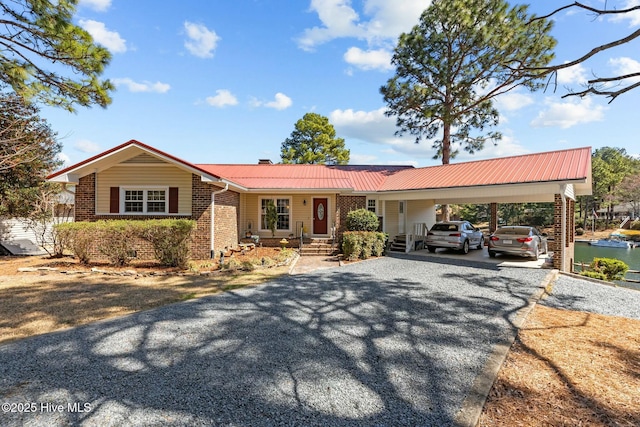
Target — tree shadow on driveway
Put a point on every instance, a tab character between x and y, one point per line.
386	342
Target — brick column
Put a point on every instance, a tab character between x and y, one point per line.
201	213
563	254
85	198
493	217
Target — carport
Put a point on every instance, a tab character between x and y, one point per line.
557	176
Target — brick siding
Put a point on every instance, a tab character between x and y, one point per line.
226	216
346	204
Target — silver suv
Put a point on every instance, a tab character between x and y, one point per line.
458	235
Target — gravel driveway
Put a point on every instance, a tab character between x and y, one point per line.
383	342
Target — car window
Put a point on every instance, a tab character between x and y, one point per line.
444	227
513	231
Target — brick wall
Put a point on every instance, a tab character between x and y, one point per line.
85	198
226	217
346	204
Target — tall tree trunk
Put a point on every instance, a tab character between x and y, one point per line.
446	154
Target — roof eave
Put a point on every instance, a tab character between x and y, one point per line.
73	173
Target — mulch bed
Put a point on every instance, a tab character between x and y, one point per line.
569	368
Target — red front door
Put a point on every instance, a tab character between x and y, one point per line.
320	212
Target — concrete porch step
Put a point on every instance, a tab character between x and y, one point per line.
318	246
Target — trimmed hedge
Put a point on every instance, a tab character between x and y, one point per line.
170	240
363	244
78	237
116	239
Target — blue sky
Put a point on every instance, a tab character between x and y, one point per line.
225	81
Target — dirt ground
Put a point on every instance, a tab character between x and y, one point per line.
61	293
565	369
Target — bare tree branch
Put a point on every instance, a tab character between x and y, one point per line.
589	8
593	84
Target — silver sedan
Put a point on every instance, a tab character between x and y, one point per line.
458	235
520	240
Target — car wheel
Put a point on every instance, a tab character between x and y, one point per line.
431	249
492	254
481	244
465	247
546	248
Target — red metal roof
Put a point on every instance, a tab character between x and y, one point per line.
564	165
312	177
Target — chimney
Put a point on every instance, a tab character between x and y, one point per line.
265	162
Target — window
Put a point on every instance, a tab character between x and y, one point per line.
156	201
282	209
371	205
145	201
134	201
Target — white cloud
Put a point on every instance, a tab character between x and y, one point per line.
390	18
362	159
145	86
568	114
374	127
86	146
109	39
572	75
512	101
369	60
202	41
369	126
281	102
222	99
624	65
339	19
99	5
65	159
632	17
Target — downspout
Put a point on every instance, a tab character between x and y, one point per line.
212	252
563	234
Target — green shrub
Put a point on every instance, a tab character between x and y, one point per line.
579	231
612	269
379	244
362	244
594	275
635	225
170	239
362	220
352	244
78	237
117	240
